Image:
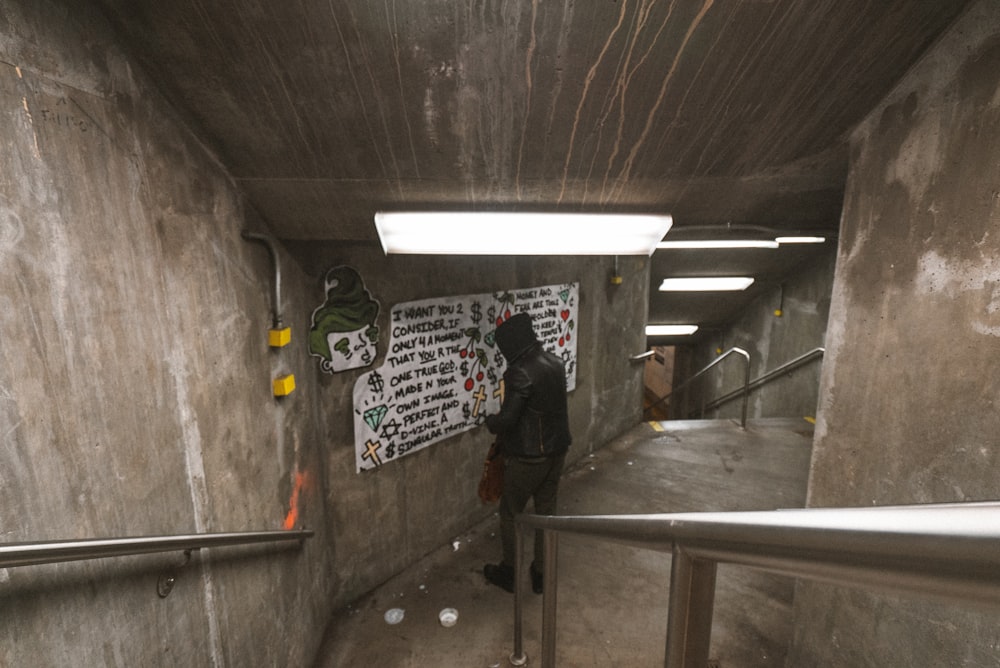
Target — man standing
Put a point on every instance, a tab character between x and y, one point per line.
533	430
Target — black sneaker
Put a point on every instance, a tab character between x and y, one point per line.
501	575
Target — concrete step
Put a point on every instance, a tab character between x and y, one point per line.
612	598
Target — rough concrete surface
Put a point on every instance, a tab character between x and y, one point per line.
910	384
385	520
135	379
612	598
135	376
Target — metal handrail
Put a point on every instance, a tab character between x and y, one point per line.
717	360
55	551
760	381
947	551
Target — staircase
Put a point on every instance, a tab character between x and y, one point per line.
612	598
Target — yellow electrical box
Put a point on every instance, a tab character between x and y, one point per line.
277	338
284	386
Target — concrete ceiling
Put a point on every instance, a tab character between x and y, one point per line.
719	112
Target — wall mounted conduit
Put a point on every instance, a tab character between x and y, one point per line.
276	283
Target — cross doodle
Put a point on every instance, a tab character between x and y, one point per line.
498	393
480	397
372	452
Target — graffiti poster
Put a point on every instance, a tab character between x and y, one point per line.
343	334
443	370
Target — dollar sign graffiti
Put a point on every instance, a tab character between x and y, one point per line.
375	382
477	312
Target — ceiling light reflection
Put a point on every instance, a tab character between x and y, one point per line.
519	233
671	330
717	243
706	284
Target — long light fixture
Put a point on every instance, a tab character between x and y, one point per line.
717	243
671	330
706	284
800	240
523	233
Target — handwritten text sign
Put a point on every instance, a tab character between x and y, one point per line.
443	370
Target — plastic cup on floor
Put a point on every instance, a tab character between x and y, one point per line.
448	616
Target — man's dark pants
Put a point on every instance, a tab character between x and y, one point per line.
524	478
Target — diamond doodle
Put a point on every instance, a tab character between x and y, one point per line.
374	416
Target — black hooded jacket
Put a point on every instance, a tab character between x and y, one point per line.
533	420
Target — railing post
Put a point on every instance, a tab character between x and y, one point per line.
746	388
550	577
689	621
518	657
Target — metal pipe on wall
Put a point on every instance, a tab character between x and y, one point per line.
276	284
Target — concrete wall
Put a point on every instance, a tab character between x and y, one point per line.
909	391
771	341
135	380
135	375
387	518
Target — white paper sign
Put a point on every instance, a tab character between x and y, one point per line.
442	372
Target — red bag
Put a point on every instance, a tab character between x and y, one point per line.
491	483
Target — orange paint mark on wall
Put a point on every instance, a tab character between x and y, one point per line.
301	483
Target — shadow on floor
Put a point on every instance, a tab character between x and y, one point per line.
612	598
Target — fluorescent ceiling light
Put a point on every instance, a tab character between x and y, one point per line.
671	330
800	240
718	243
496	233
706	284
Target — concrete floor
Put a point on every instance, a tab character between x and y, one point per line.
612	598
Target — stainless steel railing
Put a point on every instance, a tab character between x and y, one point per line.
946	551
787	367
54	551
57	551
749	385
746	382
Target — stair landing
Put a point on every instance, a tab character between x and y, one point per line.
612	598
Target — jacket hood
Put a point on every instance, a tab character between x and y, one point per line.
515	336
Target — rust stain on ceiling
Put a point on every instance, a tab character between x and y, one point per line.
715	111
